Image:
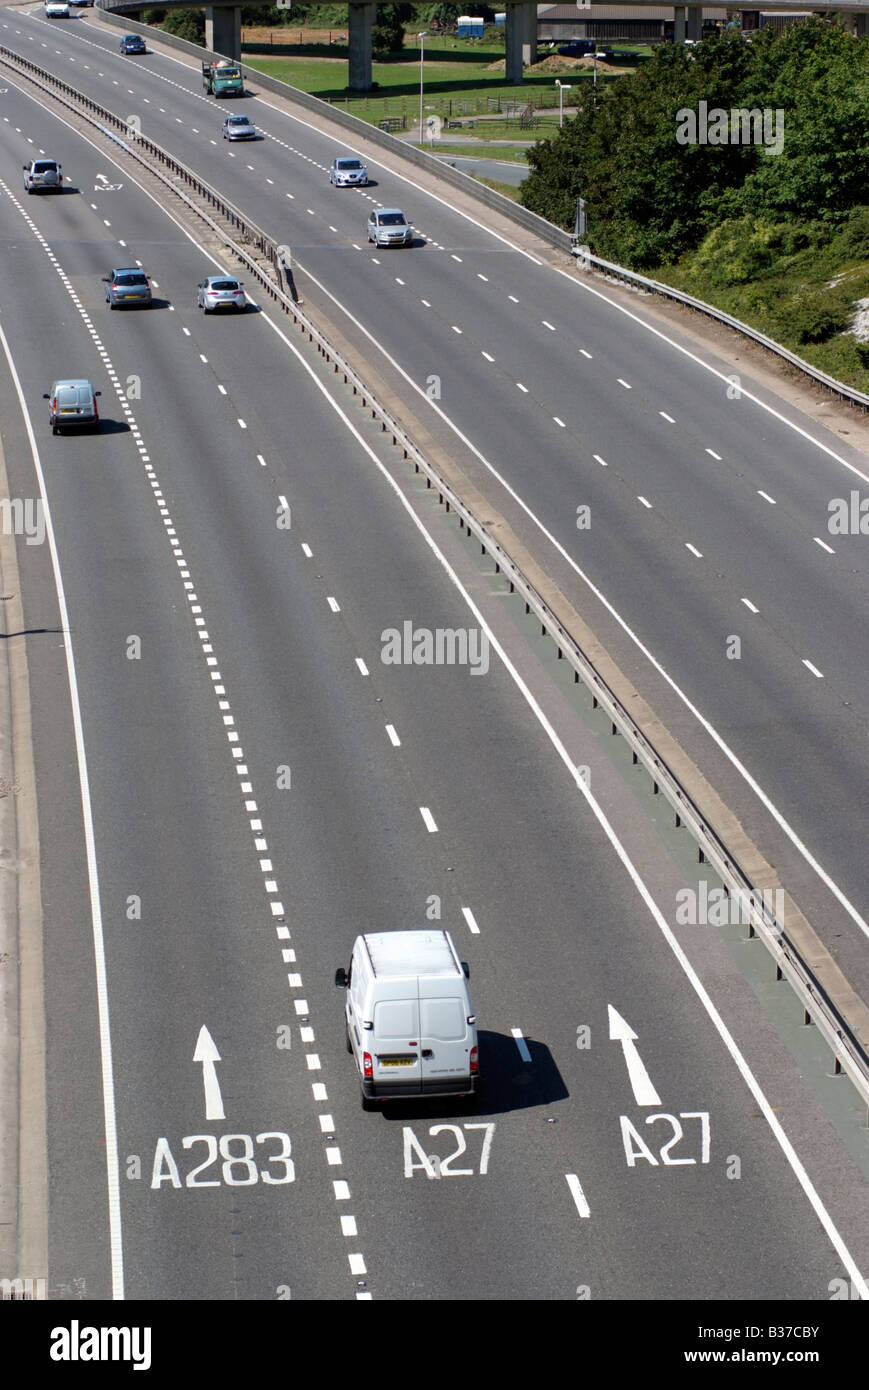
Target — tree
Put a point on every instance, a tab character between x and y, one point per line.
387	35
186	24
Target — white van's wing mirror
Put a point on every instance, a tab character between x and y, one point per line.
467	969
341	977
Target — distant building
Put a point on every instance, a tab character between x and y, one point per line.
638	23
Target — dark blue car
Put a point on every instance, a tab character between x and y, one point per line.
133	43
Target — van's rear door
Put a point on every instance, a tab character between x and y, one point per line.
444	1038
396	1042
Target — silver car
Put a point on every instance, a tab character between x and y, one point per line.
220	292
128	285
389	227
73	404
40	174
238	128
347	170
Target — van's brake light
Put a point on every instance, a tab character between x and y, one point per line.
367	1065
475	1060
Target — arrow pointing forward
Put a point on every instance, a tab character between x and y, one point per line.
621	1031
207	1054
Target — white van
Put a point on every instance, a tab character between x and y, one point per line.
409	1019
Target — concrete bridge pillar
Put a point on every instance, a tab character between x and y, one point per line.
521	39
359	42
223	30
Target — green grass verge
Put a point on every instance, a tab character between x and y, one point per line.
789	295
452	90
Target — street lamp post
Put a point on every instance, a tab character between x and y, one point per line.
562	88
422	38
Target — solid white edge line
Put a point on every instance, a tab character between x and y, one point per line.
704	723
718	1023
109	1110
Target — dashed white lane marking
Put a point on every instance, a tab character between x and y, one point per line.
586	354
814	670
363	669
277	910
578	1195
428	819
766	497
823	544
644	502
333	604
393	736
521	1044
693	549
627	385
597	458
513	297
261	461
471	921
241	424
522	388
482	277
456	258
750	606
714	455
559	423
426	303
221	389
488	356
664	416
456	330
547	324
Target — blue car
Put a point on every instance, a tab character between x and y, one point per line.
133	43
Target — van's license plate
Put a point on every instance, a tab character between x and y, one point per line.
397	1061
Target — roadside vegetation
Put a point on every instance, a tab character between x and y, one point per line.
780	240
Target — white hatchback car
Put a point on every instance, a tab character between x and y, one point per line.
238	128
346	170
56	9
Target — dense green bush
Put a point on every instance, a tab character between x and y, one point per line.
186	24
650	199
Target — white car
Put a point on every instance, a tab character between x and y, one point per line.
238	128
56	9
346	171
389	227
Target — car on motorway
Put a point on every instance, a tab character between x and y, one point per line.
220	292
42	174
347	170
408	1017
238	128
56	9
127	285
73	405
389	227
133	43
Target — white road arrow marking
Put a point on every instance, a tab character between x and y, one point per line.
620	1031
207	1053
104	186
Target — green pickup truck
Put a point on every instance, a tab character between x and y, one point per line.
222	79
